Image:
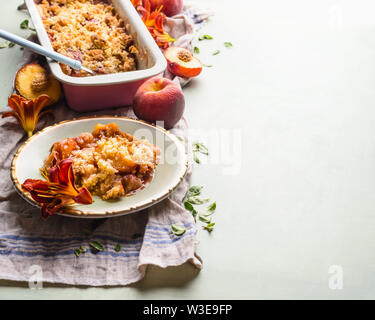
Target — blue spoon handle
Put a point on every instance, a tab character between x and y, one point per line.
75	64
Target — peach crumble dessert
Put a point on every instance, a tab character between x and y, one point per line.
108	162
90	31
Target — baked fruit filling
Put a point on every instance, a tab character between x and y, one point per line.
108	162
90	31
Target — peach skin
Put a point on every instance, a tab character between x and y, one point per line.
182	63
170	7
159	99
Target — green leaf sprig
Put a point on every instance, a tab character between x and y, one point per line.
190	208
197	200
194	191
80	250
199	147
6	44
193	197
227	44
205	37
96	245
25	25
178	230
209	227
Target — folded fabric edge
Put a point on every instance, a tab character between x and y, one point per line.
91	283
195	260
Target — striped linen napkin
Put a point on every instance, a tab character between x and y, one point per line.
30	246
28	243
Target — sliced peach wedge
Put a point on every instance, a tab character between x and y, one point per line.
182	63
32	80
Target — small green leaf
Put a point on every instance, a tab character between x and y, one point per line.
96	245
200	147
208	65
190	207
180	138
215	52
205	37
212	207
228	44
4	44
209	227
195	147
204	219
11	44
197	200
208	211
194	191
77	252
196	159
177	230
24	24
82	249
118	247
196	50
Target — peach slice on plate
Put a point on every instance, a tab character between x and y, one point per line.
182	63
32	80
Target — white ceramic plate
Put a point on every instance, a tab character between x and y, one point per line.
168	174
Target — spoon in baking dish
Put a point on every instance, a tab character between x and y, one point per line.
75	64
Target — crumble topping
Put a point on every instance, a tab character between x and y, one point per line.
108	162
90	31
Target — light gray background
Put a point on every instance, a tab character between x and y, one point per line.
299	85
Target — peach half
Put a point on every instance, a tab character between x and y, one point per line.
182	63
32	80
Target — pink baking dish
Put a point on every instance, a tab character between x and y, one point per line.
109	90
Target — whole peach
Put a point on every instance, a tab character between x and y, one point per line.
159	99
170	7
